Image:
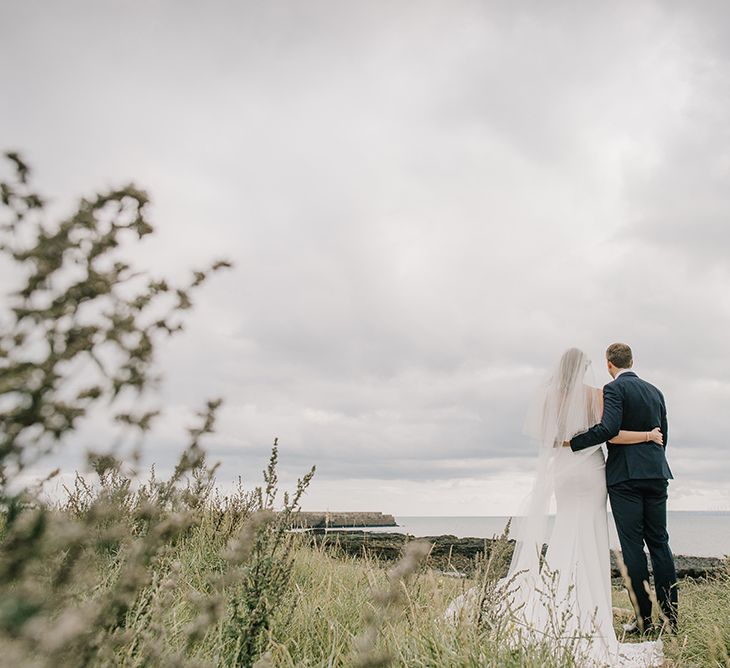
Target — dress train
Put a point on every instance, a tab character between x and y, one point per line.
568	602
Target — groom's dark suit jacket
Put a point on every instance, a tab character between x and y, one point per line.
633	404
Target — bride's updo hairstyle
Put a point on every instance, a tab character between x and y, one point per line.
619	354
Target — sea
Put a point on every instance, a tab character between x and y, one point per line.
691	533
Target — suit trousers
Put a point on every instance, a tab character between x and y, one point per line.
639	510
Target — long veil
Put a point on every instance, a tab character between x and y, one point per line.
566	403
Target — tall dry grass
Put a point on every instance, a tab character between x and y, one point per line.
193	606
169	573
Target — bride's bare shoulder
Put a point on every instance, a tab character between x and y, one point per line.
593	391
594	394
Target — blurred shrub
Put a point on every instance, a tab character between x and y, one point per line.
119	572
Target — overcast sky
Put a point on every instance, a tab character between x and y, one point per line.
426	203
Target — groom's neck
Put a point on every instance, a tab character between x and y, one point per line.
615	371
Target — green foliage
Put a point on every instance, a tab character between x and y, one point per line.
90	580
80	304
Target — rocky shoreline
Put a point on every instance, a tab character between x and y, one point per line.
459	556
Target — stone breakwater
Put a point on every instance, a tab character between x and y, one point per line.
324	519
459	555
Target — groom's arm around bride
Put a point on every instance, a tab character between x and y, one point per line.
612	421
631	404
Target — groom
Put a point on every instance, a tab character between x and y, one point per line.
637	480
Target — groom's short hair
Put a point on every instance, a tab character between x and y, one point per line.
619	354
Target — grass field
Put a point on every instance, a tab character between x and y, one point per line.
332	601
115	578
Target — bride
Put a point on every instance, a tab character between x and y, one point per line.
565	596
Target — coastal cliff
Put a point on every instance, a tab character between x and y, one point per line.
326	519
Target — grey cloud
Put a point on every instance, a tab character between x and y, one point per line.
425	204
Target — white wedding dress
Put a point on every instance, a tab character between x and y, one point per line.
566	600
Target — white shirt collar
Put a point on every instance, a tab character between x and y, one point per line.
619	372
